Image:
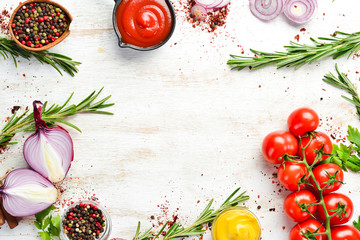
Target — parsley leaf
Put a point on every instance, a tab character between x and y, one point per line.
354	136
357	224
48	224
347	157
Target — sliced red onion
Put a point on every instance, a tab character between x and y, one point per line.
198	12
49	151
224	3
25	193
205	3
300	11
214	5
266	10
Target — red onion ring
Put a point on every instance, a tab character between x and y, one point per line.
212	4
25	193
224	3
266	10
300	11
206	3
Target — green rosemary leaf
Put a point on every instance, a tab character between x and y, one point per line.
343	82
297	55
56	113
9	48
357	224
176	230
70	125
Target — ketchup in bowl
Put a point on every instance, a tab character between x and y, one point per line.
144	23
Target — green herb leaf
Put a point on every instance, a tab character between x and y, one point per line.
357	224
343	82
52	115
347	157
44	236
354	135
296	55
9	48
37	225
48	223
41	216
207	215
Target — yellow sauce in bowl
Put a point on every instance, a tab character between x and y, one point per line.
236	224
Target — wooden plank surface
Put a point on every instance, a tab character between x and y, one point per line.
185	128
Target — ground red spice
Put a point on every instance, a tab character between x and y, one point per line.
215	18
4	21
297	37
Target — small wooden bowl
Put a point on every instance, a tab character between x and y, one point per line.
50	45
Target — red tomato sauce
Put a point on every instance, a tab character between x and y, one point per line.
144	23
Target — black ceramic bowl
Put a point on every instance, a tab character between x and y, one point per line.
125	45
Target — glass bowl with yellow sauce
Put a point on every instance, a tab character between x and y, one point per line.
236	223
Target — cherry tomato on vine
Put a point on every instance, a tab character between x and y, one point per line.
345	232
295	205
310	225
277	144
332	201
322	173
303	120
290	175
316	144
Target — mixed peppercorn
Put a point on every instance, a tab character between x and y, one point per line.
84	222
38	24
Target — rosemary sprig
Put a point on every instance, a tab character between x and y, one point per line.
176	230
9	48
342	81
297	55
54	114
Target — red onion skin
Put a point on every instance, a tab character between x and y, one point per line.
42	128
24	207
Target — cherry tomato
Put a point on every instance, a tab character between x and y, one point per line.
322	173
310	225
316	144
292	208
277	144
331	203
290	175
345	232
303	120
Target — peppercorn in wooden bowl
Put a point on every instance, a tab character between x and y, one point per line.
38	25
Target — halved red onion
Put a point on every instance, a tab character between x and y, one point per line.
266	10
198	12
25	193
49	151
300	11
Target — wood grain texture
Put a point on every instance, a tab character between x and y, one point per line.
185	128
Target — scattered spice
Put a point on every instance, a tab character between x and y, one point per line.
84	221
4	21
38	24
215	18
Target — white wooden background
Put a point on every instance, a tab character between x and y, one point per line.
185	128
